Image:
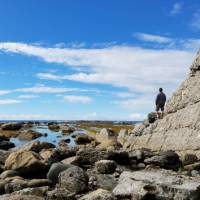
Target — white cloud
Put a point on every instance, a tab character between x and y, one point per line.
9	101
3	92
196	20
177	8
45	89
138	69
152	38
77	99
25	117
27	96
91	116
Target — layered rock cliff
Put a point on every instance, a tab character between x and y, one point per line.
179	130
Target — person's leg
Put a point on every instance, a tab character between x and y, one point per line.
157	111
162	112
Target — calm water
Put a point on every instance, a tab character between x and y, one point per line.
53	136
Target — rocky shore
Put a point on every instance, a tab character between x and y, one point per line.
97	168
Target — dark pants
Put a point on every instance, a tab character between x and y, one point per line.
160	107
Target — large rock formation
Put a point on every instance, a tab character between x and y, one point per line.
179	130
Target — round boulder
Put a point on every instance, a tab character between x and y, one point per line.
106	166
11	126
73	179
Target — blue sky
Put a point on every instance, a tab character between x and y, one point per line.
97	59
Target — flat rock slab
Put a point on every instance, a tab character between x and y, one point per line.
157	183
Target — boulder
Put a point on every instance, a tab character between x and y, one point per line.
54	127
5	145
37	146
73	179
152	117
3	156
119	156
157	184
166	160
29	135
68	130
11	126
90	155
25	162
106	166
83	139
99	194
122	136
55	170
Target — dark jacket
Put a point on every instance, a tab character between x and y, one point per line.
161	99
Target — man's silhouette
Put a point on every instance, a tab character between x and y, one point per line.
160	103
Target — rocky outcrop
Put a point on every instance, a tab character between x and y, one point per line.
179	129
157	184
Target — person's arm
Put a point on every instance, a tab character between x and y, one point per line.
156	102
165	98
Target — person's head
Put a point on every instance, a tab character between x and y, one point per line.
160	89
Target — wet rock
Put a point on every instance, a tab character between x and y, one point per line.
189	159
68	130
5	145
166	160
8	173
157	184
73	179
106	166
83	139
29	135
99	194
55	170
11	126
54	127
25	162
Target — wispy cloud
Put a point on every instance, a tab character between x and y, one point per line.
9	101
152	38
25	117
3	92
77	99
196	20
176	9
27	96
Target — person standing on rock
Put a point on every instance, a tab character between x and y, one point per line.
160	103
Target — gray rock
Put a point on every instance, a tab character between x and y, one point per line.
20	197
73	179
99	194
5	145
122	136
29	135
166	160
157	184
25	163
60	194
106	166
55	170
83	139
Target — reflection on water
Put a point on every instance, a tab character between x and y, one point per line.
52	136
